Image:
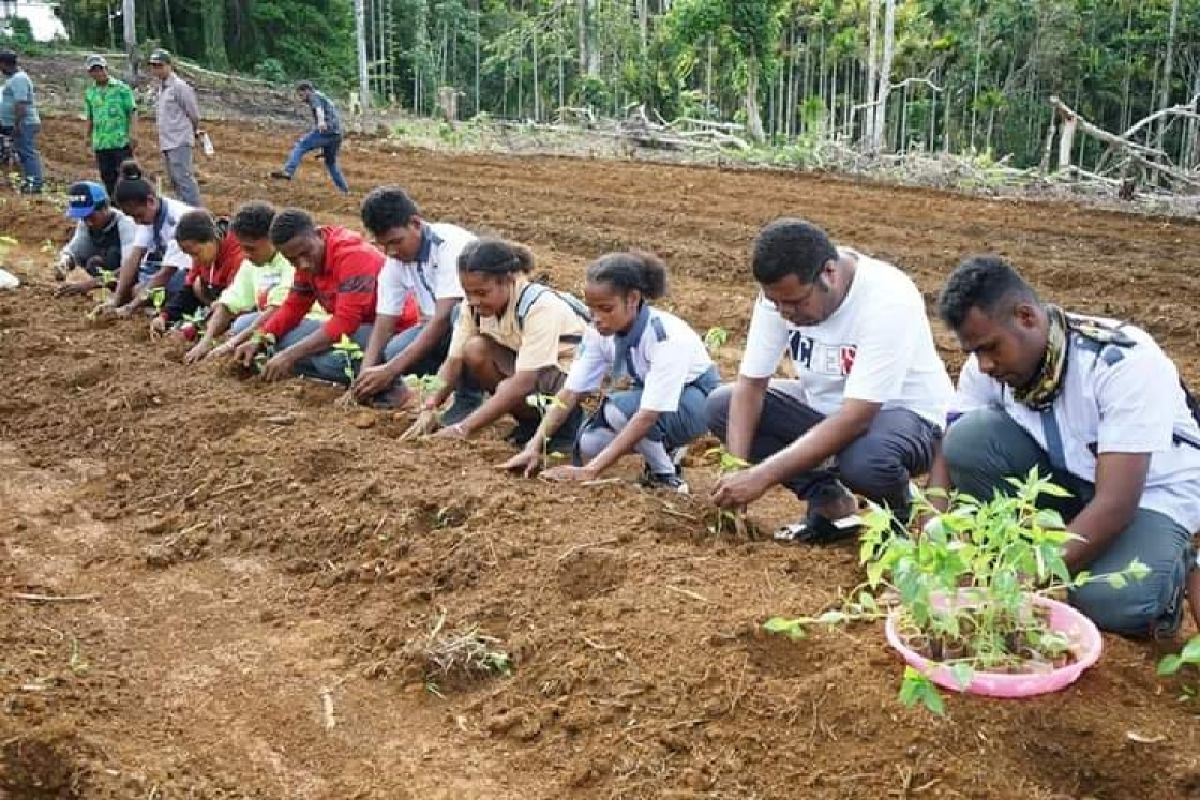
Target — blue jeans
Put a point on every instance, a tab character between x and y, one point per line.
148	269
330	365
25	144
467	391
328	144
985	447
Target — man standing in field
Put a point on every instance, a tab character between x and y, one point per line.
325	136
178	119
111	116
19	118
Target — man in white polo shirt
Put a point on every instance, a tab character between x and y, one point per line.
867	409
1096	405
422	262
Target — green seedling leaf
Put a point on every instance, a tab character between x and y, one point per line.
1116	580
917	688
832	618
158	296
1170	664
1191	651
1082	579
788	627
1137	570
963	673
715	339
8	241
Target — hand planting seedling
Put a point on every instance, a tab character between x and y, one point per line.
351	352
966	587
543	403
264	345
715	339
728	463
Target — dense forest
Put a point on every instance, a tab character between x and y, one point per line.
959	75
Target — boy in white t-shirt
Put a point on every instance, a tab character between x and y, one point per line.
423	263
1096	405
867	409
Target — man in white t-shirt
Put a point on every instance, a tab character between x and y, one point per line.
867	409
1096	405
422	262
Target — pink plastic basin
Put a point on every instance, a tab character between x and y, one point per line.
1081	632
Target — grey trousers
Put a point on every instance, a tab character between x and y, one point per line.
986	446
877	465
179	169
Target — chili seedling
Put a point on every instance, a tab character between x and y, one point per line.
543	403
264	344
715	339
351	352
158	298
727	464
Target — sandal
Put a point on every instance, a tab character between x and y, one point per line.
819	529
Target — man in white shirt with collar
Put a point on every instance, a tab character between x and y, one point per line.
871	397
422	261
1098	406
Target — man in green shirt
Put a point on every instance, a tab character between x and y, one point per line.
111	118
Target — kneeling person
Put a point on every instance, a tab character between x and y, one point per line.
1096	405
515	340
336	269
216	259
871	399
103	238
422	264
666	361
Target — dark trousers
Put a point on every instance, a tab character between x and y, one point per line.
878	465
109	164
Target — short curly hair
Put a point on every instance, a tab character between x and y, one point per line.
986	282
387	207
252	221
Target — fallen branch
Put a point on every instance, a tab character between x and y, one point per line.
51	598
689	593
581	547
327	709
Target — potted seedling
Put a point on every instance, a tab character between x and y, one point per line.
727	464
974	590
191	324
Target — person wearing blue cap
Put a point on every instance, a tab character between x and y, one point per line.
103	238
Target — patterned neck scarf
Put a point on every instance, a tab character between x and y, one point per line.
1047	382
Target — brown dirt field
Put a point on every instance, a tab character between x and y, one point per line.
246	570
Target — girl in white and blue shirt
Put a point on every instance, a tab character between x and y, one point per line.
669	371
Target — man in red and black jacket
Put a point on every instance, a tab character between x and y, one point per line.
336	268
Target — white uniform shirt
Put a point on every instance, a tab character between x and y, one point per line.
666	357
172	255
1114	400
432	276
877	346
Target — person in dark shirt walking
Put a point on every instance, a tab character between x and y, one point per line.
325	136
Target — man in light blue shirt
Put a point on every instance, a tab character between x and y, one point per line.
19	118
325	136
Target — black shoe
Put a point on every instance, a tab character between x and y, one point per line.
525	430
671	481
280	174
563	440
463	406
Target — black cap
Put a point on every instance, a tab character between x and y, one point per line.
8	56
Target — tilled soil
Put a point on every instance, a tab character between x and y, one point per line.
258	573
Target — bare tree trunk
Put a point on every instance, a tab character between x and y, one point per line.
1164	98
754	126
975	90
129	30
478	97
537	88
885	74
872	72
360	33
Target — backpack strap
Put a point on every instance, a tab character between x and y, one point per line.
534	291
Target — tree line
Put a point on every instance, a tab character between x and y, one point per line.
954	75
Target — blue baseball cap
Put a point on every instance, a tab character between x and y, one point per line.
85	197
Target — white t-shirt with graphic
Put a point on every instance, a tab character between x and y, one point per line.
432	276
1113	400
877	346
668	356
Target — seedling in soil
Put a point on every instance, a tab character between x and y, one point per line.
466	652
47	247
727	464
351	352
78	663
264	343
1171	664
426	385
965	586
158	298
543	403
715	339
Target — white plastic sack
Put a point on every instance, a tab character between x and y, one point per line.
8	280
